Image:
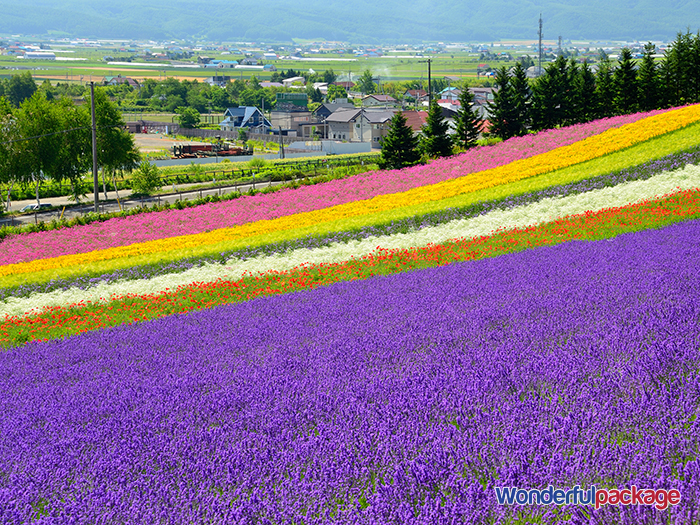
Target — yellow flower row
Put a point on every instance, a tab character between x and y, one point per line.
610	141
654	148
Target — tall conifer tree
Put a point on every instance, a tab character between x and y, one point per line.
400	146
502	108
583	95
468	122
520	88
625	84
436	142
604	87
648	81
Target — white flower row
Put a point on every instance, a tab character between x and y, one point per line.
539	212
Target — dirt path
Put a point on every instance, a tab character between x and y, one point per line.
154	142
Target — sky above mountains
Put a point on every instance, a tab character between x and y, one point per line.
361	21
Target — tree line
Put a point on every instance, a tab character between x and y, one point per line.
569	93
43	138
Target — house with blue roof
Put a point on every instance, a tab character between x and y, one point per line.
248	117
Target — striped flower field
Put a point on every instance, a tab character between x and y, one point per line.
386	348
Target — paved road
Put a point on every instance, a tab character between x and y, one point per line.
184	192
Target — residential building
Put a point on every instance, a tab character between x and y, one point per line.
359	125
348	86
290	122
415	95
416	120
291	113
341	123
245	117
325	109
374	126
218	80
379	100
118	80
450	93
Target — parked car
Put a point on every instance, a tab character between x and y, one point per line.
37	207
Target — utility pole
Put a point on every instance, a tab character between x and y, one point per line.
362	130
430	87
430	90
95	182
539	65
281	144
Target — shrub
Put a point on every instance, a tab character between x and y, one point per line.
145	179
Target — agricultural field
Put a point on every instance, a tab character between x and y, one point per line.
87	65
390	347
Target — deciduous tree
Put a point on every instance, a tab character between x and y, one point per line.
188	117
146	179
366	83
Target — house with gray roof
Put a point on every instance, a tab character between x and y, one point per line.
359	125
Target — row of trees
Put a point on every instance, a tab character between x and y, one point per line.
569	93
402	147
44	139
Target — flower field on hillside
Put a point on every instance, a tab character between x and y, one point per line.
119	232
386	348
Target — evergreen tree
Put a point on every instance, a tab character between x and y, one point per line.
604	88
583	95
680	69
520	89
665	93
695	68
400	146
436	142
571	110
648	82
551	96
502	108
468	122
625	84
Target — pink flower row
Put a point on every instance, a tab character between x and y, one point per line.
171	223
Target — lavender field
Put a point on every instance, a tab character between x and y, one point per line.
401	399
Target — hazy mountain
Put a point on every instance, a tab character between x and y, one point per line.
358	21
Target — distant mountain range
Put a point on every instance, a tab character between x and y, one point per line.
360	21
